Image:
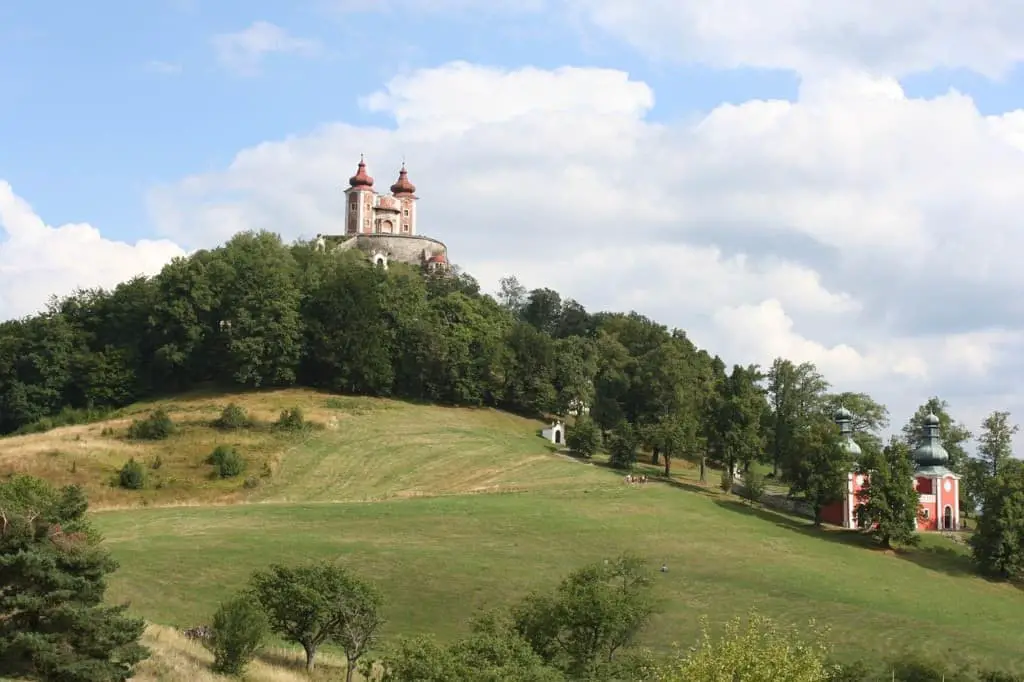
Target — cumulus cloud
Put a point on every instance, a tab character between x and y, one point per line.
860	229
814	36
37	260
244	51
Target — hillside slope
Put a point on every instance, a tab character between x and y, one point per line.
364	449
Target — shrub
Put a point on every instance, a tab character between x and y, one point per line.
157	463
227	461
233	417
157	426
291	419
239	630
727	481
753	486
251	482
68	416
622	446
584	438
132	475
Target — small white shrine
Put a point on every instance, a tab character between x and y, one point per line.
555	433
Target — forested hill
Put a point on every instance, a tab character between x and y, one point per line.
257	312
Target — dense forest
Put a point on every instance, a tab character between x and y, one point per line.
257	313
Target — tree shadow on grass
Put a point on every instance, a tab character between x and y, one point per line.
941	559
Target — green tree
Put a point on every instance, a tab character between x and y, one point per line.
512	295
796	394
54	624
737	420
622	446
584	438
995	443
889	503
997	544
869	417
753	486
319	602
493	652
820	469
238	633
760	651
593	614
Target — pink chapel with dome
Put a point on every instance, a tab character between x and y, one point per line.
938	487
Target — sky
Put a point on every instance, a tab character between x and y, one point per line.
825	180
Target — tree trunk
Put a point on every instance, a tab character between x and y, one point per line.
703	469
350	671
668	466
654	456
310	656
817	516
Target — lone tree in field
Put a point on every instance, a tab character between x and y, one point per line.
595	612
889	503
53	622
317	603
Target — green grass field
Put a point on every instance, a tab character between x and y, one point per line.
439	559
453	510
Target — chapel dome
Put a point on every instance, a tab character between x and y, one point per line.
361	179
403	185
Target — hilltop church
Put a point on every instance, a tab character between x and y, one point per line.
937	486
383	226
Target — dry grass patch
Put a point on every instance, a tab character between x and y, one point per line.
362	449
175	658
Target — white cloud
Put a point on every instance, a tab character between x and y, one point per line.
811	36
853	227
243	51
37	260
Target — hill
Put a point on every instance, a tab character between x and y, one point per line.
450	510
362	449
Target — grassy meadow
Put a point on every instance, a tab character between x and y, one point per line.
452	510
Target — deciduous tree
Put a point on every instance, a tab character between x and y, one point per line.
889	503
318	602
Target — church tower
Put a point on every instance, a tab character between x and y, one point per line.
937	486
359	201
405	192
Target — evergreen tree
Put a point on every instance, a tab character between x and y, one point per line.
622	446
998	542
889	503
53	622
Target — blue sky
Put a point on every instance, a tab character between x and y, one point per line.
104	99
811	229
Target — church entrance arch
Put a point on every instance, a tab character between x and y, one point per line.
947	518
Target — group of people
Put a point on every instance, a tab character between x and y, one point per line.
635	478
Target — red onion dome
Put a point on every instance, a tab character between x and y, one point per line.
361	179
403	186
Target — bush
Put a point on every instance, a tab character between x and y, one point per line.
227	461
233	417
584	438
239	630
622	446
291	419
157	426
753	486
132	475
727	481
